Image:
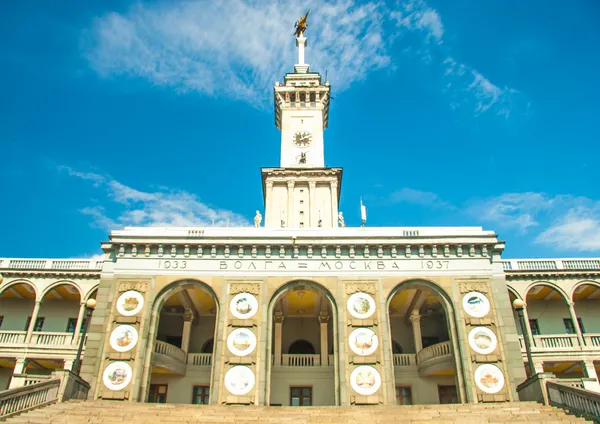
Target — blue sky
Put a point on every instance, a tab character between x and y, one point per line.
470	112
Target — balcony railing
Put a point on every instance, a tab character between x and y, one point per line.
562	342
46	338
51	264
405	359
12	337
201	359
434	351
298	360
170	351
551	264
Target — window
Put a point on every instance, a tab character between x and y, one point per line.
72	323
570	328
447	394
39	324
158	393
403	395
430	341
535	328
207	347
200	395
1	319
301	202
302	225
300	396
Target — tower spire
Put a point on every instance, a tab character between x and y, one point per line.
301	25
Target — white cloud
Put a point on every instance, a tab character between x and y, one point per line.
416	14
513	210
162	208
418	197
578	230
565	222
239	48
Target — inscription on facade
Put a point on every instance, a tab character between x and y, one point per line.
137	285
322	265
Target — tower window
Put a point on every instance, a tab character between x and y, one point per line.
301	212
301	202
302	225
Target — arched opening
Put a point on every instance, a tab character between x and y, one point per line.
184	320
302	342
301	347
550	324
423	353
17	301
586	300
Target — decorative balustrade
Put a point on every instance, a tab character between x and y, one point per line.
300	360
556	341
434	351
35	379
21	399
551	264
405	359
11	337
46	338
170	351
592	340
51	264
201	359
579	401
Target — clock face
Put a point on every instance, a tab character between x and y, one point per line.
302	138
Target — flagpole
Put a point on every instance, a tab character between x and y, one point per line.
363	213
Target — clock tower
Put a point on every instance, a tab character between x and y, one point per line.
301	193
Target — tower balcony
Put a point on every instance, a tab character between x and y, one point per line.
433	360
169	359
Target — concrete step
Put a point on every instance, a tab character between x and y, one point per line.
111	412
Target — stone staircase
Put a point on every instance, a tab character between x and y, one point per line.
113	412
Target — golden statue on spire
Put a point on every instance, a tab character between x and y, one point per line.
301	25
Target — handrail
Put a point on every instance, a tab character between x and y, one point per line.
21	399
556	341
579	401
170	351
47	338
434	351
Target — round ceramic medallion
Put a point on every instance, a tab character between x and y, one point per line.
241	342
117	375
130	303
361	305
243	305
365	380
123	338
489	378
483	340
476	304
239	380
363	341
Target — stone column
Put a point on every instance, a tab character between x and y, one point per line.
278	317
415	319
334	205
34	316
19	369
270	217
78	324
188	319
290	214
576	324
313	218
323	318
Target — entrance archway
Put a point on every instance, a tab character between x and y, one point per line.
423	333
179	361
302	348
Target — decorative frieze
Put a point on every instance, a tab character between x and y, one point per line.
137	285
252	288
